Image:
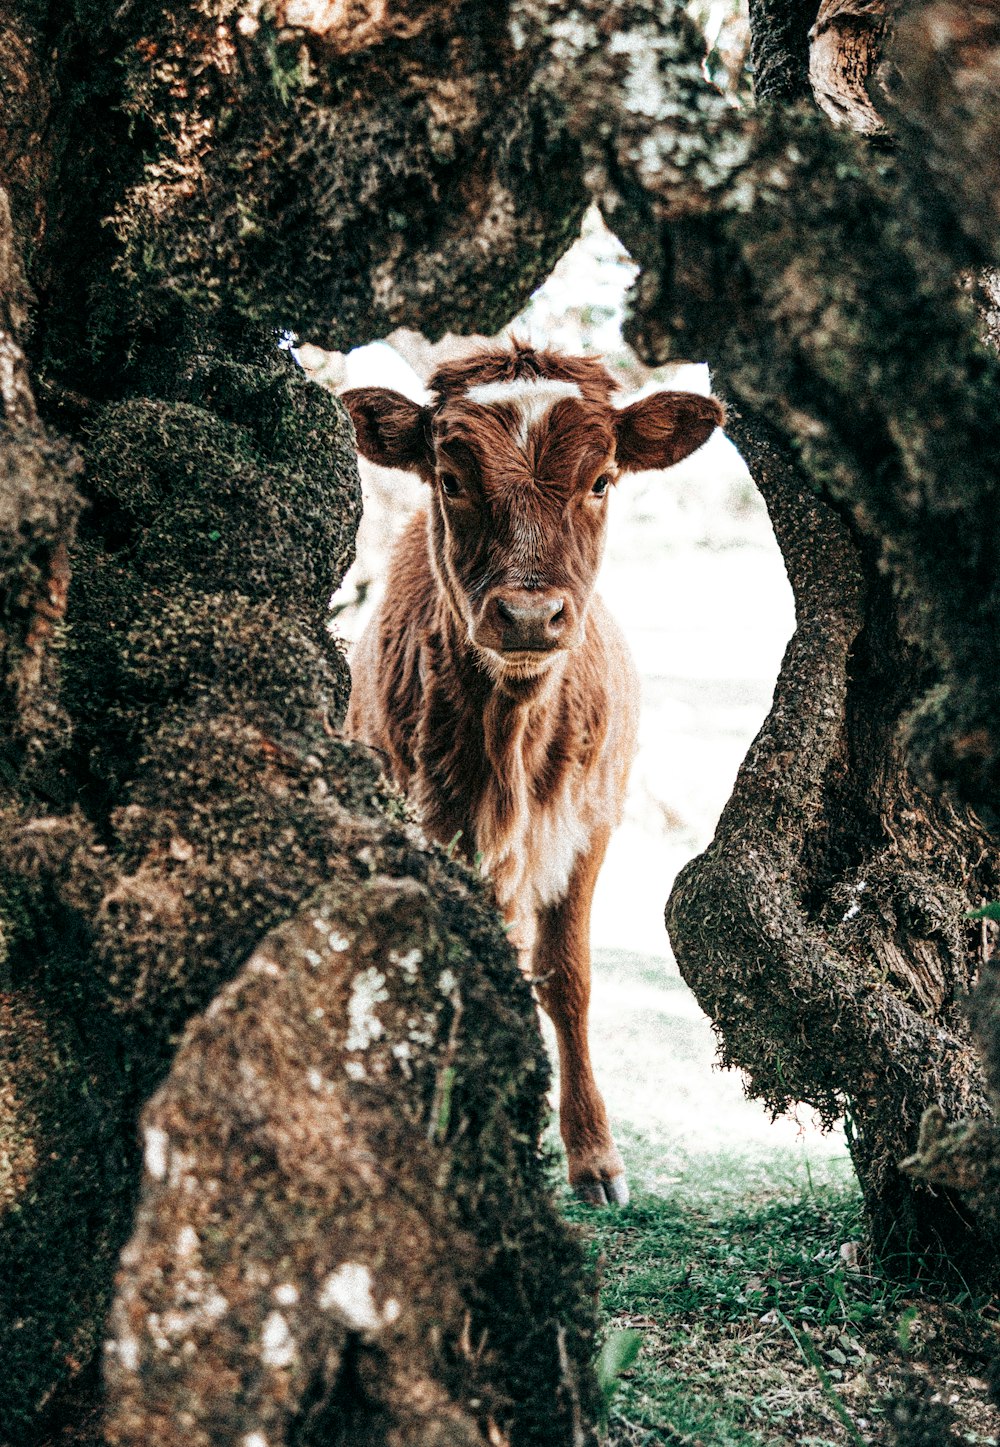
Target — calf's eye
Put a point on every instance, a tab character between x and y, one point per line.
602	484
450	484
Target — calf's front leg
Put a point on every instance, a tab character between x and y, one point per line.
561	971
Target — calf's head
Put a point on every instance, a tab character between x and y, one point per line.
521	449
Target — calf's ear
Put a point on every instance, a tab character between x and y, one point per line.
391	430
663	428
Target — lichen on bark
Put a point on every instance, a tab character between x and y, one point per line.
177	810
340	1229
211	800
203	179
337	180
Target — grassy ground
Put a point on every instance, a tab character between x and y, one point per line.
741	1261
756	1330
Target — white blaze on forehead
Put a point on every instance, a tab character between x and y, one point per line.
531	396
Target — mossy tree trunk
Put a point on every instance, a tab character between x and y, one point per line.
820	275
823	930
342	1226
177	811
204	800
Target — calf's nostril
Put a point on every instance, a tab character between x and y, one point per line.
557	619
528	619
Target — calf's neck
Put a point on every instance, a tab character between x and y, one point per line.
492	679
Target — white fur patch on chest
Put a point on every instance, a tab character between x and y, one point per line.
553	841
531	859
530	396
530	862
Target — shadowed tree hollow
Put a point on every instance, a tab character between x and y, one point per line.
215	922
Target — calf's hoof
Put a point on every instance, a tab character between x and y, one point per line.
610	1191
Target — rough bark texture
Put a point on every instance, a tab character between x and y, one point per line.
808	271
779	48
814	283
822	930
846	47
815	278
177	813
334	169
202	684
339	1236
174	788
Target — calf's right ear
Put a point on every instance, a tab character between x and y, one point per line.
391	430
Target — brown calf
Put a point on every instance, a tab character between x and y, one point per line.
492	679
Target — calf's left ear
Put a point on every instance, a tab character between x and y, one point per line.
663	428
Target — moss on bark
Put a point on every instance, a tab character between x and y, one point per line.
62	1148
274	167
822	929
212	176
817	277
340	182
341	1231
218	531
779	48
205	691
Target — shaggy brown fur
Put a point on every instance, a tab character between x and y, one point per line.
492	679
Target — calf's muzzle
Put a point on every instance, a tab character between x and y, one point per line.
525	620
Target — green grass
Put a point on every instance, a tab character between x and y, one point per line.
736	1237
755	1330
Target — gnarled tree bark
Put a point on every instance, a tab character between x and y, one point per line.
177	813
213	802
846	45
818	281
822	930
178	810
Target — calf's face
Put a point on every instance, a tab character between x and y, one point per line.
520	473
